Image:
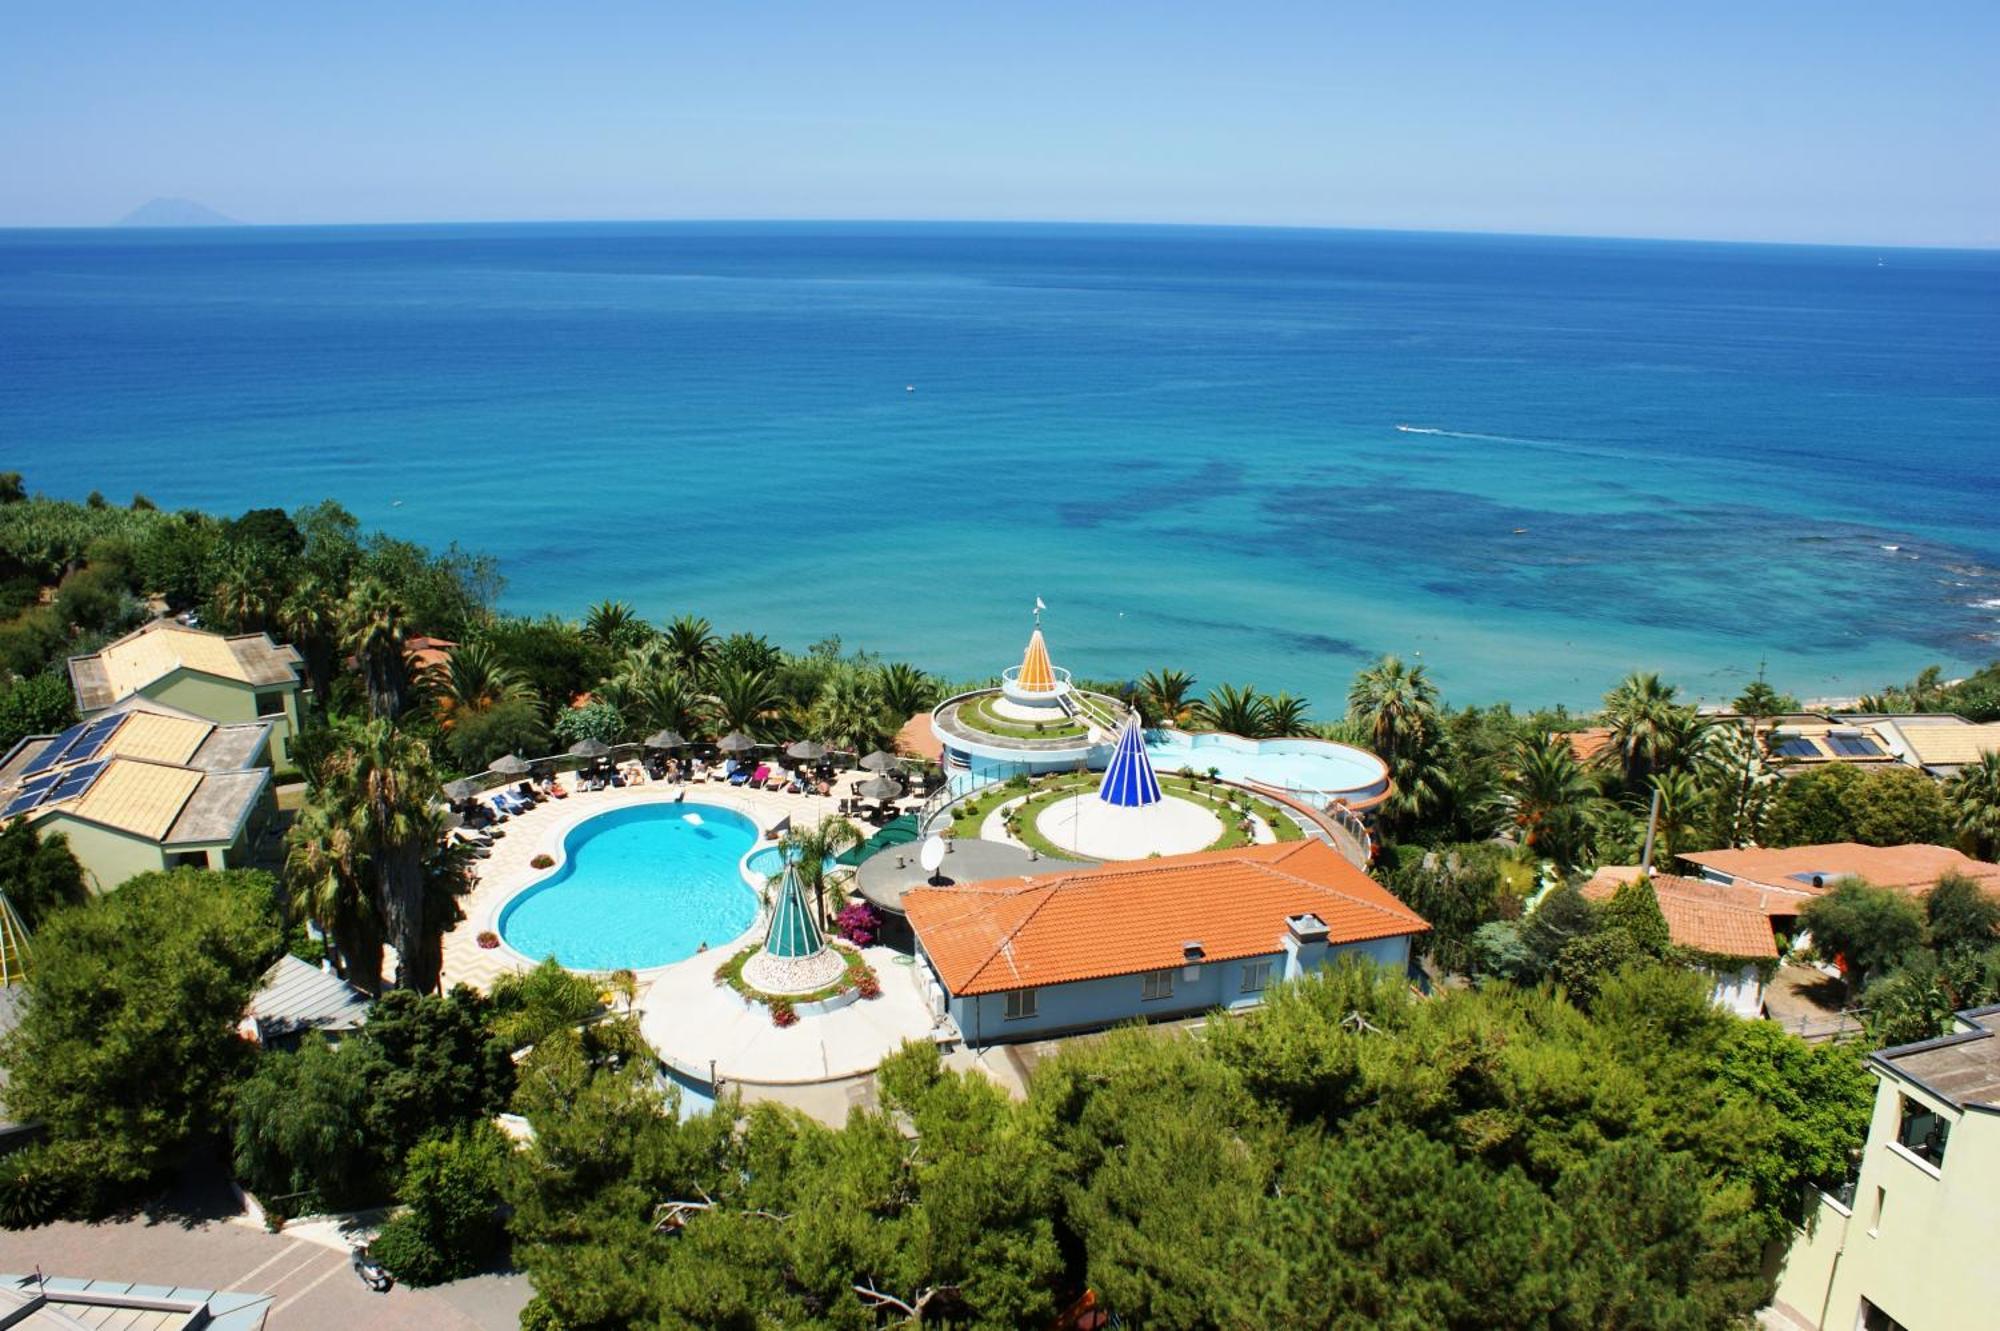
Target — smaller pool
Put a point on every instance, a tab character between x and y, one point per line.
638	887
768	863
1340	770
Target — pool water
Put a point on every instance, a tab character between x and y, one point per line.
638	887
769	862
1294	764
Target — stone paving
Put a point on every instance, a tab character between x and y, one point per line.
698	1025
311	1285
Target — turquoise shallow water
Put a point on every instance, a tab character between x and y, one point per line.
639	887
1686	457
1303	765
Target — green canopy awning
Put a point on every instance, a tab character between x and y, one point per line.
898	832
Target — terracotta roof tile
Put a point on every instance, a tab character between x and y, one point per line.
1913	868
1585	745
1726	920
1747	896
1121	919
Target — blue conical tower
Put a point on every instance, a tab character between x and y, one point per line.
793	932
1129	782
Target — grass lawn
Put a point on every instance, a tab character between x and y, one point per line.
1048	790
978	714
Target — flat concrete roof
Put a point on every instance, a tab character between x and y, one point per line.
1963	1068
883	878
217	808
231	748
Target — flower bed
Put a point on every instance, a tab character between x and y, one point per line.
859	977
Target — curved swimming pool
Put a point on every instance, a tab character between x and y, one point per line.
1322	766
637	887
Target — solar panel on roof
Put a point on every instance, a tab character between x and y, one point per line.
52	755
1854	746
76	781
42	782
93	739
23	802
1797	746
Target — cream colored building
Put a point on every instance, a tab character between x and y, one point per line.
223	679
141	787
1912	1248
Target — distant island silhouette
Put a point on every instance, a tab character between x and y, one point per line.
175	212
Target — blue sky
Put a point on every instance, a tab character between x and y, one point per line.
1768	120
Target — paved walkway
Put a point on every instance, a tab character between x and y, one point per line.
310	1284
695	1024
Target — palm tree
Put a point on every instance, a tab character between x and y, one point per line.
905	690
662	701
1399	705
244	597
810	848
1163	696
848	713
691	644
745	700
1649	731
1973	797
377	790
376	632
310	617
613	624
1683	809
471	680
1240	711
1548	796
1286	716
324	869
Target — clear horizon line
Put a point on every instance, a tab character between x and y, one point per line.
236	224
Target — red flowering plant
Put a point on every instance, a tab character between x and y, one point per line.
858	923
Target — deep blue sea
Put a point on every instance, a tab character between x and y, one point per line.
1264	456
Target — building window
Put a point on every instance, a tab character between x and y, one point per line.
1020	1003
1923	1132
1874	1319
1157	984
270	704
1256	976
1875	1217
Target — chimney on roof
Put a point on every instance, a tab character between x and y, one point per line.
1307	928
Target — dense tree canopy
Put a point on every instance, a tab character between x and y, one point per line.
37	872
127	1048
1361	1158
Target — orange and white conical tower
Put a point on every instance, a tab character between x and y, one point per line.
1037	675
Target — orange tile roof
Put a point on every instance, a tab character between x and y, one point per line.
1709	917
1762	898
1587	744
427	653
1121	919
918	739
1913	868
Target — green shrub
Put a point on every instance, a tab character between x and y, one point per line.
450	1226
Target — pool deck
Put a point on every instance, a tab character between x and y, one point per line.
692	1022
704	1028
541	831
